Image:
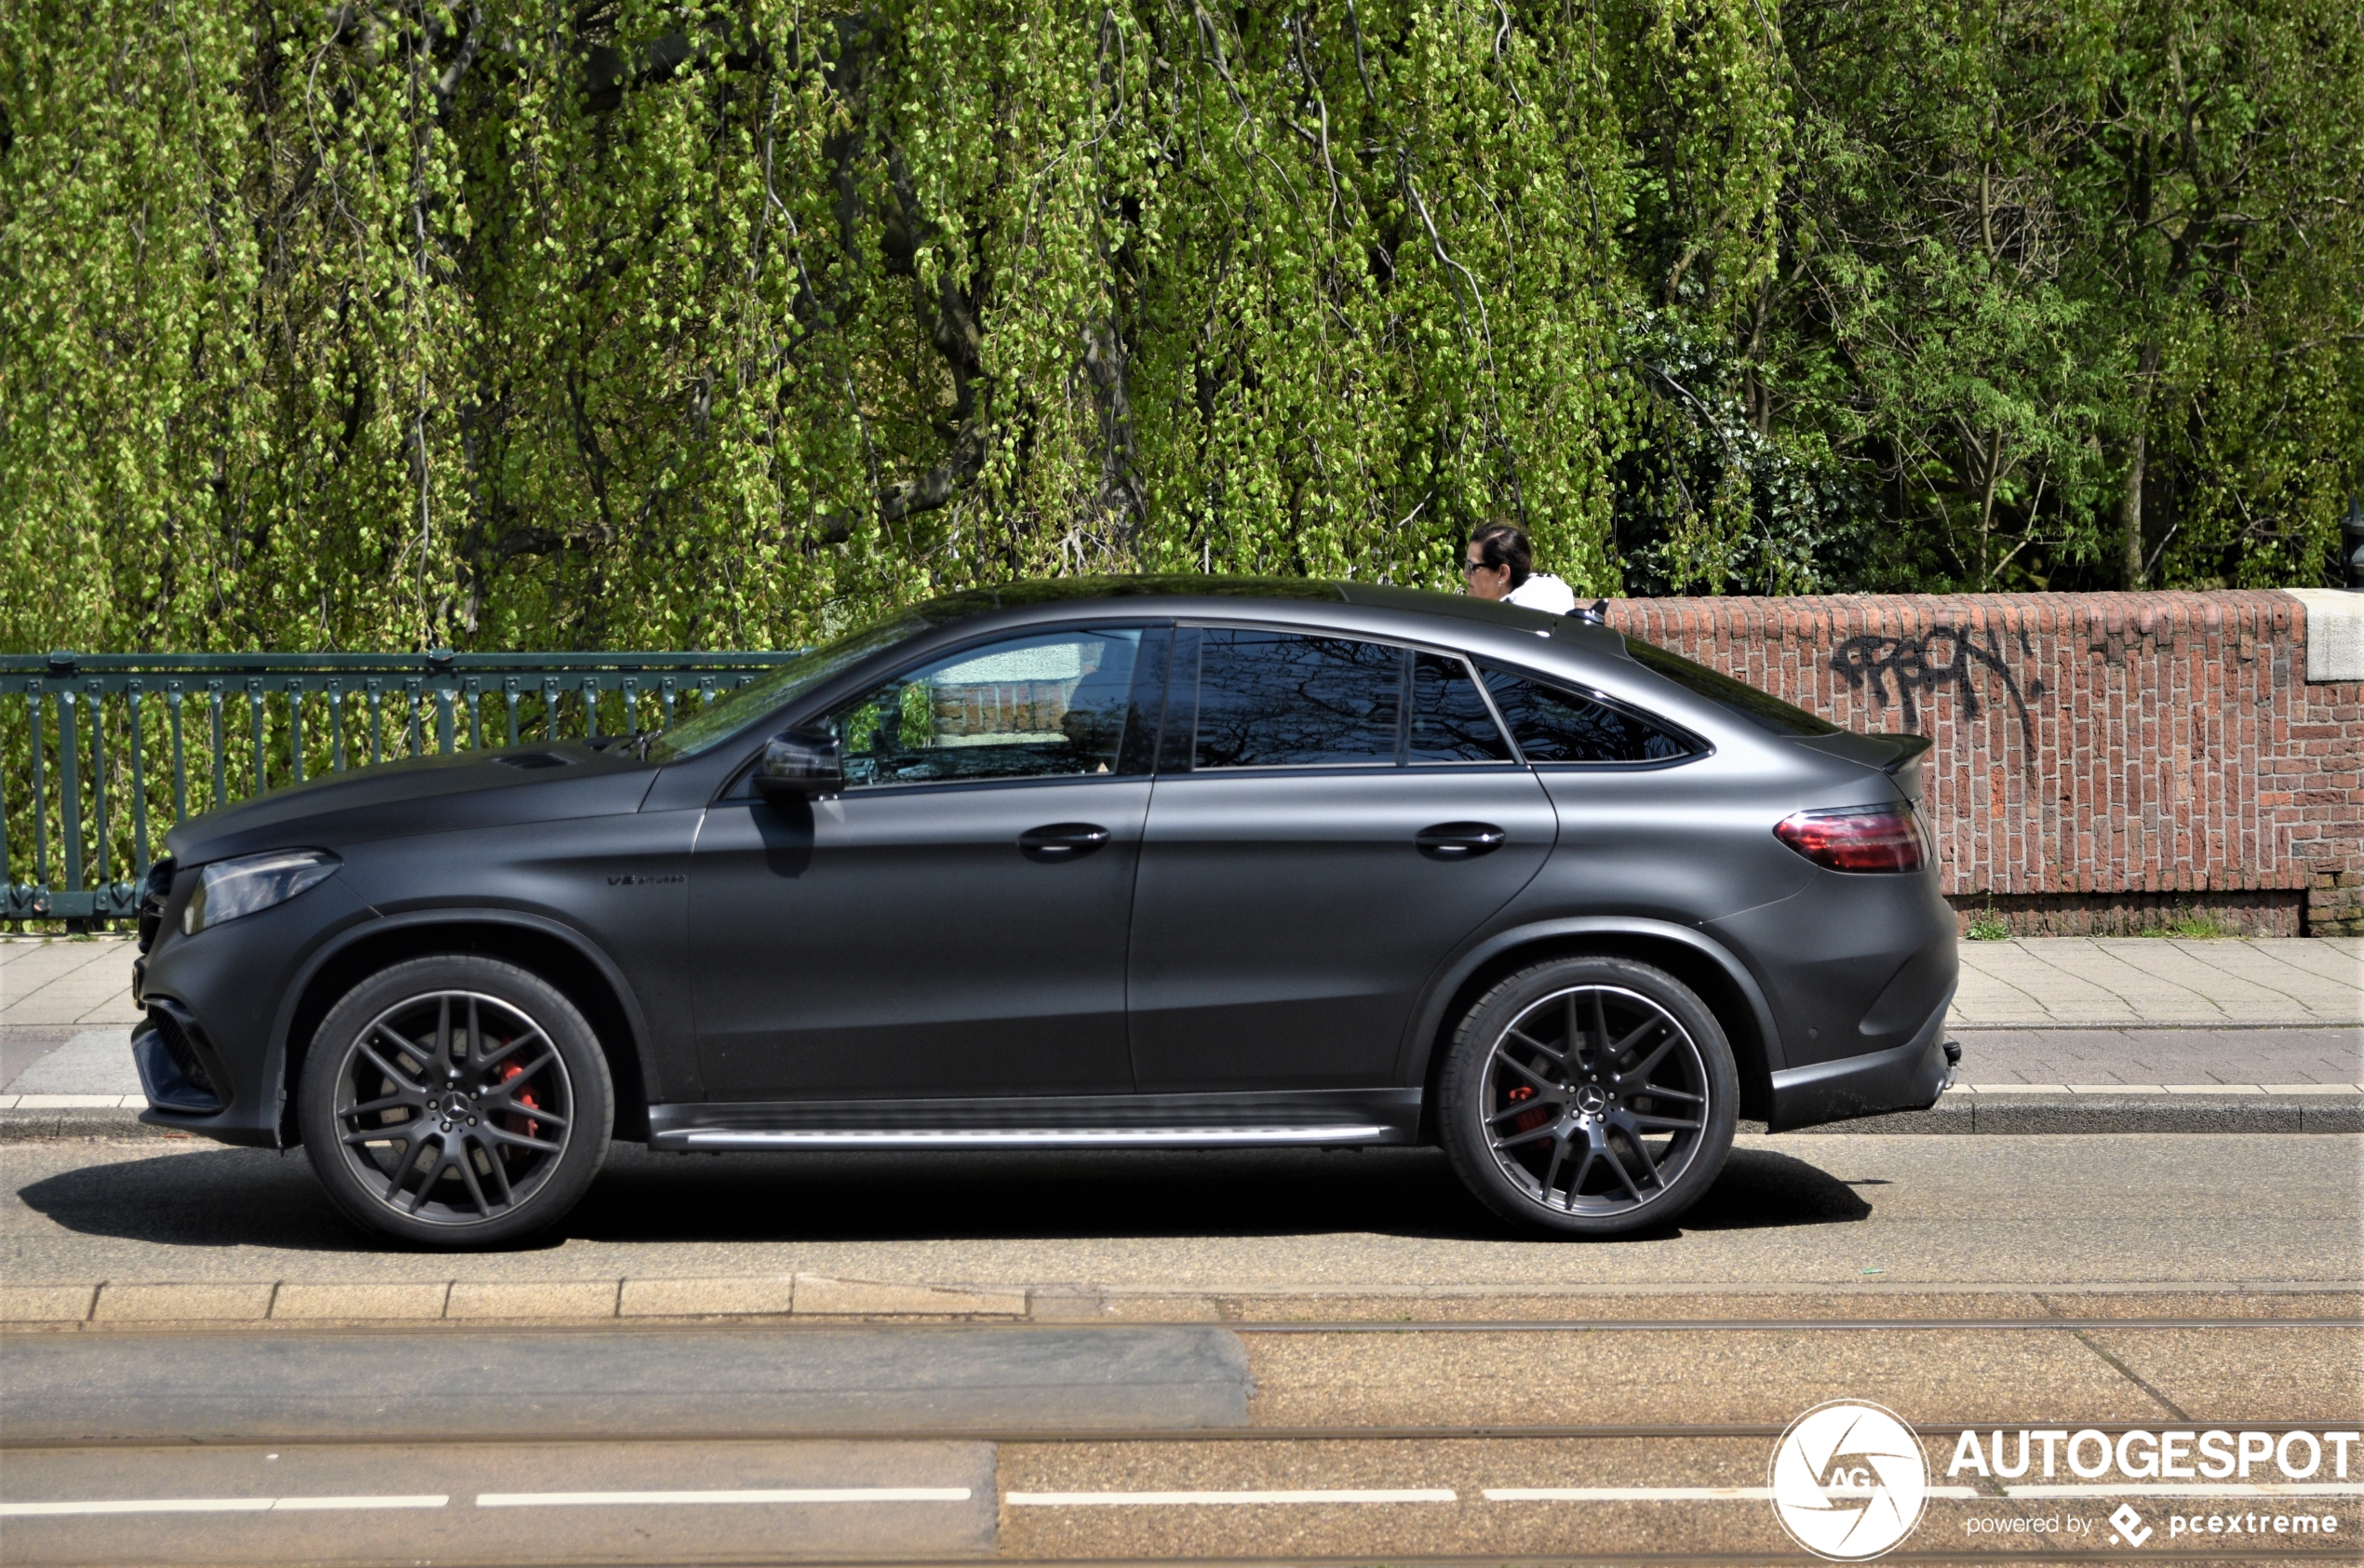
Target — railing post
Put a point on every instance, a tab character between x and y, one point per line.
591	702
102	856
295	727
439	666
254	709
172	699
220	772
139	791
40	787
509	695
418	735
376	689
69	787
336	726
475	713
550	707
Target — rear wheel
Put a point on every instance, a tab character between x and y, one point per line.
1590	1096
455	1101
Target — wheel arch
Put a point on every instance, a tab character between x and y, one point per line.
1703	964
556	953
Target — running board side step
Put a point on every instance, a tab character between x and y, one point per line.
1290	1118
1044	1137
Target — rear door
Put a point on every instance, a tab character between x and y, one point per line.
1332	815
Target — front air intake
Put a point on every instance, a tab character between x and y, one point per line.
175	1066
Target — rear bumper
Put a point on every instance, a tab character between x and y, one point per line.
1906	1077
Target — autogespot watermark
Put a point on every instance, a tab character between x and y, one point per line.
1850	1481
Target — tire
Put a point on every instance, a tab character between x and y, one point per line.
455	1102
1564	1141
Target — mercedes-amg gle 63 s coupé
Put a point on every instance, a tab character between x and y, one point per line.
1125	863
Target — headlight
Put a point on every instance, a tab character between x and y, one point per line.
231	888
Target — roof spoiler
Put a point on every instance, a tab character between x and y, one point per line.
1897	756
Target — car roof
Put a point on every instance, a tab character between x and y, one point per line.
1080	590
1072	592
1570	644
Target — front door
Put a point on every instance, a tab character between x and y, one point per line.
1338	817
955	923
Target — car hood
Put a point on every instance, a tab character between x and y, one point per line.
515	785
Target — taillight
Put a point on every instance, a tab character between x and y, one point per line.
1866	838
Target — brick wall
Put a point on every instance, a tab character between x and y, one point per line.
2102	762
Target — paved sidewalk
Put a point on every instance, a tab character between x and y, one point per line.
2153	982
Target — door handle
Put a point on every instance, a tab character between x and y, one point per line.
1061	841
1459	840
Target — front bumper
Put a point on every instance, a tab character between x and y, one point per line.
1905	1078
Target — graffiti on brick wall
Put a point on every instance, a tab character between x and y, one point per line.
1937	661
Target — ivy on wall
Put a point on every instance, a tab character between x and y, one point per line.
498	323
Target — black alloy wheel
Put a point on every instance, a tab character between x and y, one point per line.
1592	1096
455	1102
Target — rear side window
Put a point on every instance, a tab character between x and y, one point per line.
1554	724
1760	708
1282	699
1449	718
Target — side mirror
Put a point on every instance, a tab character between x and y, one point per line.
800	764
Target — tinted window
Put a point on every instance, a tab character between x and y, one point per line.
1450	722
1029	707
1554	724
1760	708
1279	700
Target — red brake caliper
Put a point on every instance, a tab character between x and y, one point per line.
524	1126
1533	1119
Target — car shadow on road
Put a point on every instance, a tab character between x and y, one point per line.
234	1198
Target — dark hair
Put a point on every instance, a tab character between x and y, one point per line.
1502	545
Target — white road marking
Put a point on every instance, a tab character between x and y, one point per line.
782	1495
214	1504
1674	1493
1187	1500
2193	1489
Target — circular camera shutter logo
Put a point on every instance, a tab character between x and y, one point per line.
1850	1480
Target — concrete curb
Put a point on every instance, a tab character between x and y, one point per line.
2245	1107
2230	1107
821	1301
806	1296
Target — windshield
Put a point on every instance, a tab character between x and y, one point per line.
733	711
1758	707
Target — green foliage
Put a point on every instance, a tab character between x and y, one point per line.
1987	925
404	323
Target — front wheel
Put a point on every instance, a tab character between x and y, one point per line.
1588	1096
455	1101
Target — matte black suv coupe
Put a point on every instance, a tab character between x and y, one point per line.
1190	862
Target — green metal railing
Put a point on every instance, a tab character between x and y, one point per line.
102	746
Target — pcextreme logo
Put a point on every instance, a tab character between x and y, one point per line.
1850	1480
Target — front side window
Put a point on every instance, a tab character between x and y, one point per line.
1285	700
1554	724
1037	706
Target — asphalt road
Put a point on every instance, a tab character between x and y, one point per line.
2051	1282
1800	1210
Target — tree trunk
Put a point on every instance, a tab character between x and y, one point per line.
2130	505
